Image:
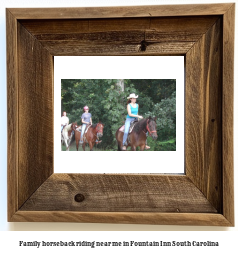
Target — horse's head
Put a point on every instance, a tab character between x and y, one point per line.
151	127
74	126
99	129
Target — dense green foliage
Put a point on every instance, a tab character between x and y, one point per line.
107	103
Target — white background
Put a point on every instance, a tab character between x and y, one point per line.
10	240
116	67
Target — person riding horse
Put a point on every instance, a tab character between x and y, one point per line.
64	120
86	120
132	110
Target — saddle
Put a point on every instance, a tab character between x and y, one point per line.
86	130
132	125
80	128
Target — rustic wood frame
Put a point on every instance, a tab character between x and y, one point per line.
204	34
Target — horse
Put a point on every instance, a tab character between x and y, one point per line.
138	135
90	136
67	135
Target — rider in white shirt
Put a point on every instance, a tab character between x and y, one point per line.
64	120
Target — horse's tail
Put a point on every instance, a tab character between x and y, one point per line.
119	147
118	143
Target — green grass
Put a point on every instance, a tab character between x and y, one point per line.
169	145
87	148
171	141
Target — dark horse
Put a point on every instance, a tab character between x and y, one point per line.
138	134
94	132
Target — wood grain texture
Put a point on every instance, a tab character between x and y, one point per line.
115	49
204	196
36	114
204	115
192	219
49	29
227	113
120	12
114	193
12	111
119	36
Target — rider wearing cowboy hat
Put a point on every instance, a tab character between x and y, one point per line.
132	110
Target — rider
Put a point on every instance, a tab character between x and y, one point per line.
86	119
64	120
132	109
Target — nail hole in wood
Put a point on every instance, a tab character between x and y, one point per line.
79	198
213	120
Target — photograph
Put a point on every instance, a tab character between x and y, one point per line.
102	113
118	114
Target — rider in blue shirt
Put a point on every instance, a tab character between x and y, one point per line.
132	110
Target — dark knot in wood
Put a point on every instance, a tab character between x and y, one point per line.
143	45
79	198
213	120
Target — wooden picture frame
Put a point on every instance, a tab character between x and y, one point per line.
204	34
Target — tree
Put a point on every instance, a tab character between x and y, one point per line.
106	99
120	84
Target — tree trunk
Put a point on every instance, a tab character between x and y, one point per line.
120	83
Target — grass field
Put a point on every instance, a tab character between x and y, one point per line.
163	146
87	148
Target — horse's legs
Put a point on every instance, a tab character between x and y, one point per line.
77	138
143	142
142	148
77	144
66	144
133	148
90	145
119	138
84	146
119	145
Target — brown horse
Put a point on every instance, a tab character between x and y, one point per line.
138	135
94	132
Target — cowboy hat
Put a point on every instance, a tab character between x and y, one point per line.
132	95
